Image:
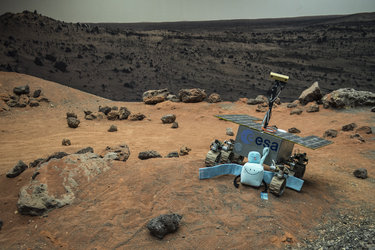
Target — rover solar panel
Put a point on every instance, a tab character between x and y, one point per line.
312	142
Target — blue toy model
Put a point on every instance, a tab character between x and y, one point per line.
253	171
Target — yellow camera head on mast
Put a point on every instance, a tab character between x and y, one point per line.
279	77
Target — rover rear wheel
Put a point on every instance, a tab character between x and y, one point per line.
212	158
277	185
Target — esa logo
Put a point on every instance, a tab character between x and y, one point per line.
248	137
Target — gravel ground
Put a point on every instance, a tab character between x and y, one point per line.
344	229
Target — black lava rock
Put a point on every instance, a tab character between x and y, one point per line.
148	155
37	162
330	133
1	224
360	173
17	170
57	155
21	90
174	125
164	224
71	114
85	150
112	128
105	109
170	118
172	155
73	122
37	93
349	127
294	130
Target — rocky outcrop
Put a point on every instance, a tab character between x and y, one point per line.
348	98
58	181
21	98
119	153
164	224
311	94
192	95
155	96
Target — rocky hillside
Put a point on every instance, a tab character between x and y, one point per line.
232	58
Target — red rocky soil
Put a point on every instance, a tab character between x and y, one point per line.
112	210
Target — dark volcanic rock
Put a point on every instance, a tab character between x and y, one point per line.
148	155
17	170
192	95
112	128
172	155
360	173
137	117
22	90
349	127
57	155
373	109
311	94
294	130
36	162
155	96
71	114
174	125
260	99
105	109
73	122
214	98
312	108
66	142
85	150
33	103
184	150
331	133
113	115
364	130
164	224
170	118
123	113
1	224
296	111
118	153
358	137
37	93
348	98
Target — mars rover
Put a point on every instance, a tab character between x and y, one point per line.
254	137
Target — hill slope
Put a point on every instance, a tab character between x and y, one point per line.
232	58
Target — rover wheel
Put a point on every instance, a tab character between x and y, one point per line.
277	185
225	156
212	158
299	170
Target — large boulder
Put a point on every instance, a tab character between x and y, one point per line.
155	96
348	98
192	95
58	182
311	94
